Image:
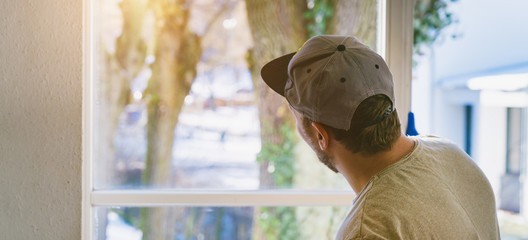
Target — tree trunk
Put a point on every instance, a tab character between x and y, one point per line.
277	28
177	51
355	17
118	70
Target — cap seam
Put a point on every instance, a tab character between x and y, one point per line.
343	41
309	55
324	37
302	58
318	99
368	93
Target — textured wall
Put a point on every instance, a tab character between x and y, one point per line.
40	119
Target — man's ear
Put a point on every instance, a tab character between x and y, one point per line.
322	135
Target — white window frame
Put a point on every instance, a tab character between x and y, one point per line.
395	42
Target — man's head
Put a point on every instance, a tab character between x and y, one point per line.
370	139
329	77
327	80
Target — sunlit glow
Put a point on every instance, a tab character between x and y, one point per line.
271	168
150	59
229	23
138	95
506	82
188	100
311	4
112	216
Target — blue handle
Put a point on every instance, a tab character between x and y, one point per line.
411	129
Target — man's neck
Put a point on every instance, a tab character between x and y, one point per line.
359	169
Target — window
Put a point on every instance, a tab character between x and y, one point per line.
468	126
515	140
211	183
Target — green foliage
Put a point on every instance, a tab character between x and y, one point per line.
189	227
279	223
430	18
218	222
280	156
318	15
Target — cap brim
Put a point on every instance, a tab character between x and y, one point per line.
275	73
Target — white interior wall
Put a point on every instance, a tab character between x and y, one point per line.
40	119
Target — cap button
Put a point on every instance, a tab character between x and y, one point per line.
341	47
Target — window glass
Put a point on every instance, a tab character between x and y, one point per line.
471	87
179	102
179	106
219	222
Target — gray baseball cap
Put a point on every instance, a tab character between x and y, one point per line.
329	77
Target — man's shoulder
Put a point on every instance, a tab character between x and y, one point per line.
403	202
373	212
432	140
438	148
398	214
371	217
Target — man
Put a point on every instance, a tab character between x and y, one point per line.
341	94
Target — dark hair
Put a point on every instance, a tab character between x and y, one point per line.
371	139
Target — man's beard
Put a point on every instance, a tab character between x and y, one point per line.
323	157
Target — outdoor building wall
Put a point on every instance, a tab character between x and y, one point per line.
491	131
448	118
490	35
40	119
486	43
423	91
486	39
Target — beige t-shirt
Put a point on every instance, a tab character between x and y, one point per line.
435	192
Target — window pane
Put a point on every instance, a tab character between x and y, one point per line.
471	88
219	222
177	94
